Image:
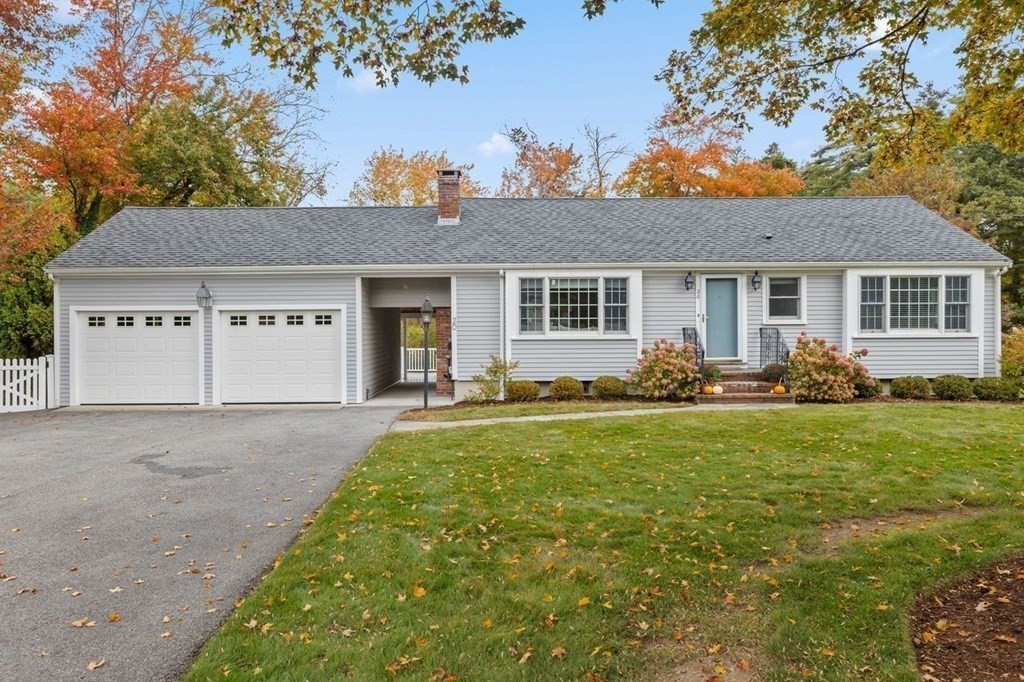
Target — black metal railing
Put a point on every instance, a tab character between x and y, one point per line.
774	349
692	336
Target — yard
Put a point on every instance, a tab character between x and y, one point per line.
469	411
781	544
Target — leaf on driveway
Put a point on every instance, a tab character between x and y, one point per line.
83	623
96	665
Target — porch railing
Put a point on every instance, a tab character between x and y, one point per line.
692	336
774	349
412	360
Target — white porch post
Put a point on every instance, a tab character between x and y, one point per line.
405	349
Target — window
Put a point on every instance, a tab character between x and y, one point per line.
574	305
267	320
294	320
154	321
97	321
913	303
238	320
323	320
616	304
531	305
958	301
872	304
784	298
182	320
125	321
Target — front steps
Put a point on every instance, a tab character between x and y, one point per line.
744	388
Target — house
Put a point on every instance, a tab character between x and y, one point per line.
307	302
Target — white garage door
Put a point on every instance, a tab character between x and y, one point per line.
281	356
138	357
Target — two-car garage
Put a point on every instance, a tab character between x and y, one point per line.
255	356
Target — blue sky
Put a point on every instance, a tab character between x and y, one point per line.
560	72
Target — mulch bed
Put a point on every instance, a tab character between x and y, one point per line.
973	630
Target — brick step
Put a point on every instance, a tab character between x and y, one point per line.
745	398
750	386
741	375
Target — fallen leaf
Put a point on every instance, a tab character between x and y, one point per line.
1009	639
96	665
83	623
583	601
114	617
558	652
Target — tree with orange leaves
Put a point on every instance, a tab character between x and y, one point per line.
541	170
700	159
393	178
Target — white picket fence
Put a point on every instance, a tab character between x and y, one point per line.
27	385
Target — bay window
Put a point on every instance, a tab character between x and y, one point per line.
587	305
908	303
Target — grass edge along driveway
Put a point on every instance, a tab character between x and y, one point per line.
625	547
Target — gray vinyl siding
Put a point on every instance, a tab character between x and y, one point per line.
382	342
991	316
208	356
824	292
890	357
667	306
477	323
544	359
172	290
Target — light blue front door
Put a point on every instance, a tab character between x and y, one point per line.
721	305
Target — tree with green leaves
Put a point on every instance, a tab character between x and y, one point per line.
774	156
852	60
834	167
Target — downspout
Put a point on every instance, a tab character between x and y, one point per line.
501	320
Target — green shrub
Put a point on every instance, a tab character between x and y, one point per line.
566	388
664	370
995	388
711	374
522	391
773	373
952	387
820	373
868	387
1013	357
608	387
914	388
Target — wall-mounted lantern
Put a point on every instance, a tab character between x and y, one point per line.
756	280
689	281
203	297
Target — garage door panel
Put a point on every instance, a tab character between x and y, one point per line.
151	362
270	360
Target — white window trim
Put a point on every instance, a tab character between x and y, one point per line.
782	321
218	319
976	298
634	313
74	366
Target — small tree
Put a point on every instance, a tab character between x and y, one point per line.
491	384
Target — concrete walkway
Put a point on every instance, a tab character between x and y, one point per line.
428	426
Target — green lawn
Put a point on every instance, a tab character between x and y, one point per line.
619	548
494	410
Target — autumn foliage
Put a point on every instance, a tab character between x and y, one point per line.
664	370
701	159
392	177
820	373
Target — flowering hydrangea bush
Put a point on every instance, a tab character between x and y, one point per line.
1013	357
664	370
819	373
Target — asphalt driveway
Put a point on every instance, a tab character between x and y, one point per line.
126	536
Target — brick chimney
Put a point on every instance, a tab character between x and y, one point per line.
448	182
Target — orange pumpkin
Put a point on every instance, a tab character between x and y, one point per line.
708	389
780	389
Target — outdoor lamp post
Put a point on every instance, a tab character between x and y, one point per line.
426	314
756	280
203	297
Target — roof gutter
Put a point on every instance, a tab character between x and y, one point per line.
406	268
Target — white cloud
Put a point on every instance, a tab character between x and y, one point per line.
495	144
364	81
882	26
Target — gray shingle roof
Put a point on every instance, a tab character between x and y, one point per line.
511	231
